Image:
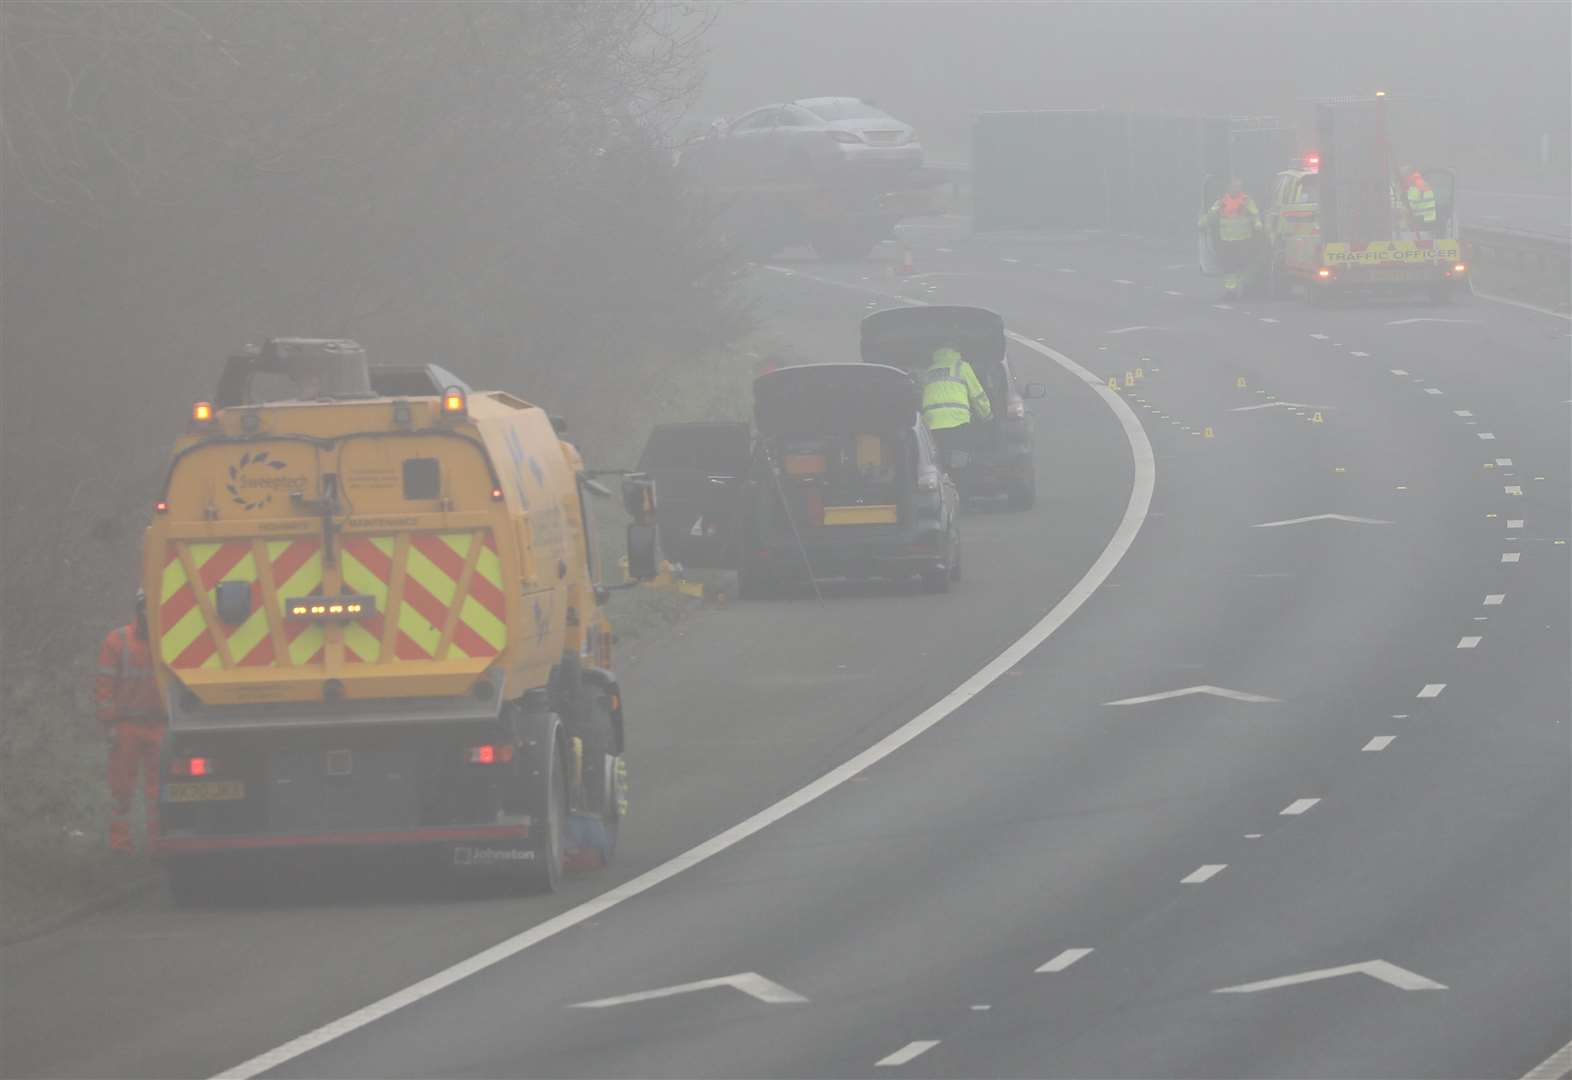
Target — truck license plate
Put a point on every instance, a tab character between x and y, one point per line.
205	791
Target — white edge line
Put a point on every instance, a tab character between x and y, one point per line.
1553	1067
1513	303
1119	544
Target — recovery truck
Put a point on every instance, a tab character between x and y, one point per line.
1338	225
377	622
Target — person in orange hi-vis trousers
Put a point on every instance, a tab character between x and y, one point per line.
129	707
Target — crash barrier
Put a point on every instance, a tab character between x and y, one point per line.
1544	256
1138	173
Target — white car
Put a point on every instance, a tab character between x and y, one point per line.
812	135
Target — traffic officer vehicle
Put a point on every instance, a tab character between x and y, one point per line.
838	478
1001	455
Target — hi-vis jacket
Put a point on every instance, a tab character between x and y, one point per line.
951	392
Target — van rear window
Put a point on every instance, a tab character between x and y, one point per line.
422	479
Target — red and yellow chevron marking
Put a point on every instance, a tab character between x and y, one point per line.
435	571
451	604
188	641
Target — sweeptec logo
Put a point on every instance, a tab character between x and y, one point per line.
1398	251
256	478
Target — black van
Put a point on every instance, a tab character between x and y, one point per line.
839	479
1002	456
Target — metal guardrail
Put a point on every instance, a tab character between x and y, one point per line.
1519	249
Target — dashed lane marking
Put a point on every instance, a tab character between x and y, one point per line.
1431	690
1461	412
912	1050
1471	642
1361	355
1223	307
1266	319
1410	322
1504	462
1511	556
1512	489
1122	281
1380	742
1203	873
1124	536
1319	337
1129	329
1397	371
1515	523
1064	960
1487	435
1003	259
1297	807
1494	599
1433	391
1172	292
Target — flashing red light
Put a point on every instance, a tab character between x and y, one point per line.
192	766
1312	161
490	754
161	506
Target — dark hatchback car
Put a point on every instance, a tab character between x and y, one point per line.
1001	452
838	479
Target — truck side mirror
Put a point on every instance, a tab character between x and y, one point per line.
1034	391
638	497
643	552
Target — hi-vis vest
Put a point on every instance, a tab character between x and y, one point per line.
1421	199
1237	216
948	391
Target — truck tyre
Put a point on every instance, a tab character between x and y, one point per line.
546	797
602	778
194	880
1023	493
752	587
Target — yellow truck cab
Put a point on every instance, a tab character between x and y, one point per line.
375	606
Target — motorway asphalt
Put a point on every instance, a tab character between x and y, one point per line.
1044	883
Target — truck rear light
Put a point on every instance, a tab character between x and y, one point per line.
330	608
491	754
1324	274
191	766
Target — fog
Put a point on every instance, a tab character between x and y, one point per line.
1493	73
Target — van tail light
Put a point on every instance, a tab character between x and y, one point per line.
1460	268
928	479
490	754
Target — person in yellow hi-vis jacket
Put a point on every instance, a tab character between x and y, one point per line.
952	397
